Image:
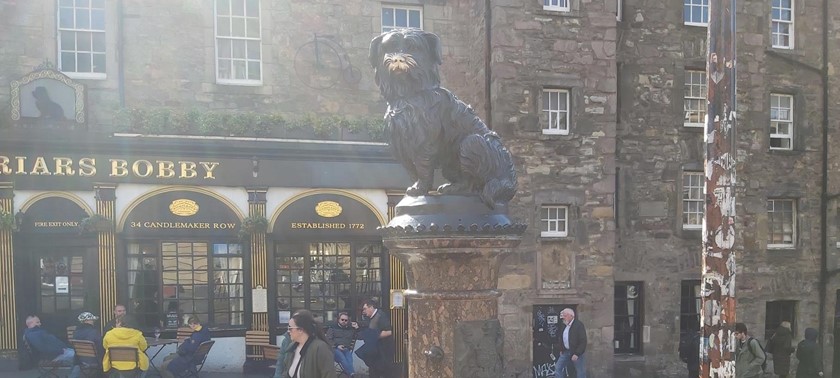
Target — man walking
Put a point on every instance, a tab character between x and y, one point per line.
780	347
749	355
572	346
378	350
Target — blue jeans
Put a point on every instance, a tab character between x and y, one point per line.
564	360
345	359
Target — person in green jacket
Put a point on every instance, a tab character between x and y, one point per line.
749	355
309	355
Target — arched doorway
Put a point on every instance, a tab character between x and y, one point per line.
327	256
58	259
183	256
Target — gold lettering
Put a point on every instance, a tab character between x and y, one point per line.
119	168
136	168
87	167
166	169
187	169
4	166
40	167
209	166
20	167
64	166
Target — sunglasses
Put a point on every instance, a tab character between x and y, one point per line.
343	320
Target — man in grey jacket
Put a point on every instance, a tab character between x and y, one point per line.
749	356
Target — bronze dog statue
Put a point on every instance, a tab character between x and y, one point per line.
430	128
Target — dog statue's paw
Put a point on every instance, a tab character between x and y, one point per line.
454	188
415	190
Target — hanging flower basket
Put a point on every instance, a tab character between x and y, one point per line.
8	222
95	223
252	225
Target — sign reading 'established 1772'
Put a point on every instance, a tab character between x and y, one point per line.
89	167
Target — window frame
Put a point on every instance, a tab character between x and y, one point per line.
555	233
790	121
217	38
558	7
394	7
777	311
704	11
91	75
208	318
701	200
619	7
689	85
359	250
690	292
546	115
793	223
774	21
637	329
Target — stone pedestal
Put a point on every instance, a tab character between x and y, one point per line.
452	247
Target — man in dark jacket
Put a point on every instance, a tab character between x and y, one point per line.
572	345
184	359
88	332
45	345
340	337
378	350
690	353
810	356
118	310
780	347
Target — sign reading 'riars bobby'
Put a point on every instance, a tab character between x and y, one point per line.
89	167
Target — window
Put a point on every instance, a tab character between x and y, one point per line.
781	218
238	42
327	278
782	24
690	305
781	122
696	12
81	38
776	313
554	221
555	109
693	205
186	277
556	5
401	17
694	99
628	317
781	214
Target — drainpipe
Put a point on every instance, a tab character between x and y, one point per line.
120	52
824	275
488	56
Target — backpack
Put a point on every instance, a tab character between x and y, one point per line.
764	362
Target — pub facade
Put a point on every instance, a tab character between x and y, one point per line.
201	232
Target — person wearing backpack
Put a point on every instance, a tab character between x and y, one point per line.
749	355
779	346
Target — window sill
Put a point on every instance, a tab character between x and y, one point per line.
554	239
694	128
781	152
696	24
86	76
558	13
240	83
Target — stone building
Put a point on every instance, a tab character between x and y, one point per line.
258	111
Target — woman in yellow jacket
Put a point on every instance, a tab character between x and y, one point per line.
124	334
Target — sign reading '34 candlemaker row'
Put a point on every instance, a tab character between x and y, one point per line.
179	213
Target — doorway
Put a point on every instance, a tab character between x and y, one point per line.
64	284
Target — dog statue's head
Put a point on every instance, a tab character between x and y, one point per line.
405	61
